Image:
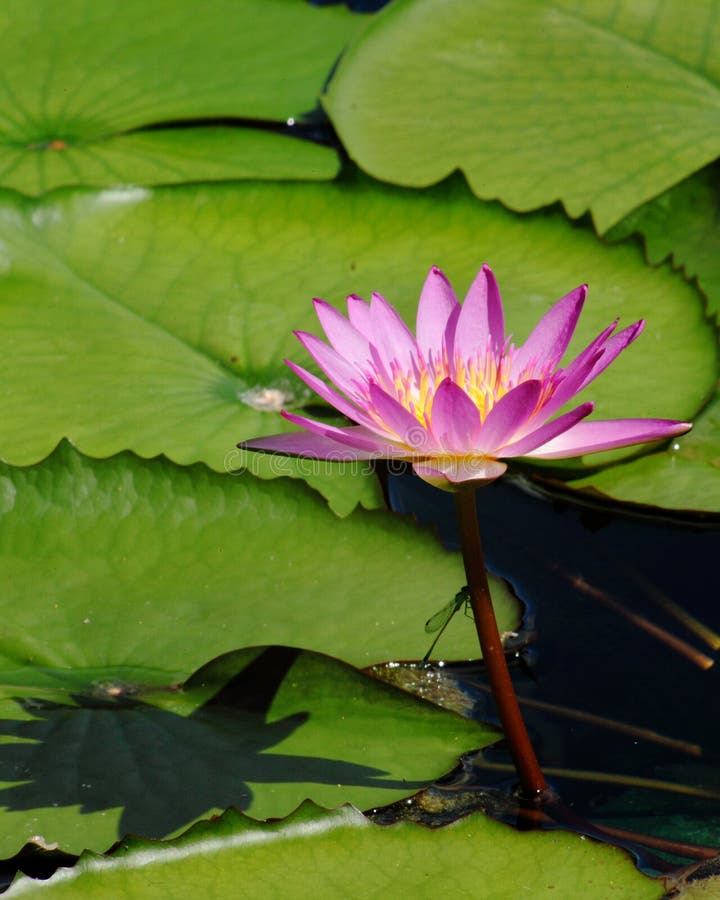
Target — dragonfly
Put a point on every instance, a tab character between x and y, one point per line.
440	621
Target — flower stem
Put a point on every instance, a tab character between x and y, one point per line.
532	780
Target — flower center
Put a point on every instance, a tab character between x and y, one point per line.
485	378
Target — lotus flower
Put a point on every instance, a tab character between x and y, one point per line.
457	398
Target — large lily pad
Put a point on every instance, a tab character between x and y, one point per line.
82	81
258	729
682	224
128	563
340	853
585	102
158	321
684	476
167	157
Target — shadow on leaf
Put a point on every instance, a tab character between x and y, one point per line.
111	749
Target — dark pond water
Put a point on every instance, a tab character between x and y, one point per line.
606	593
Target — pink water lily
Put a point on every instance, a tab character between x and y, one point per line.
457	398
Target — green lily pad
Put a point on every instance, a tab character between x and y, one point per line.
129	563
167	157
585	102
157	321
258	729
82	83
682	224
684	476
340	853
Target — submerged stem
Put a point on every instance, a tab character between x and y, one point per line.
528	769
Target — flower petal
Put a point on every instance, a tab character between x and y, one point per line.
510	414
338	370
403	423
576	374
612	349
437	302
481	317
303	443
391	337
590	437
359	314
549	339
355	436
449	336
547	432
454	418
448	471
332	397
486	283
344	337
593	360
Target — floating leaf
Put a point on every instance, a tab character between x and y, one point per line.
158	321
684	476
259	729
585	102
100	74
682	224
167	157
340	854
129	563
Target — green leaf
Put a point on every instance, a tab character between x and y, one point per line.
129	563
167	157
101	73
685	476
682	224
158	321
340	853
258	729
599	105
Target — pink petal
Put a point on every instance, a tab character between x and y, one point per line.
495	316
612	349
356	436
510	414
359	314
446	472
593	360
590	437
437	302
455	420
403	423
449	336
382	373
390	335
547	432
549	339
302	443
343	336
481	317
330	396
338	370
573	378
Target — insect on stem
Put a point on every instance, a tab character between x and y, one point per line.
440	621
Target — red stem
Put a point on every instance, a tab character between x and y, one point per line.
531	777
